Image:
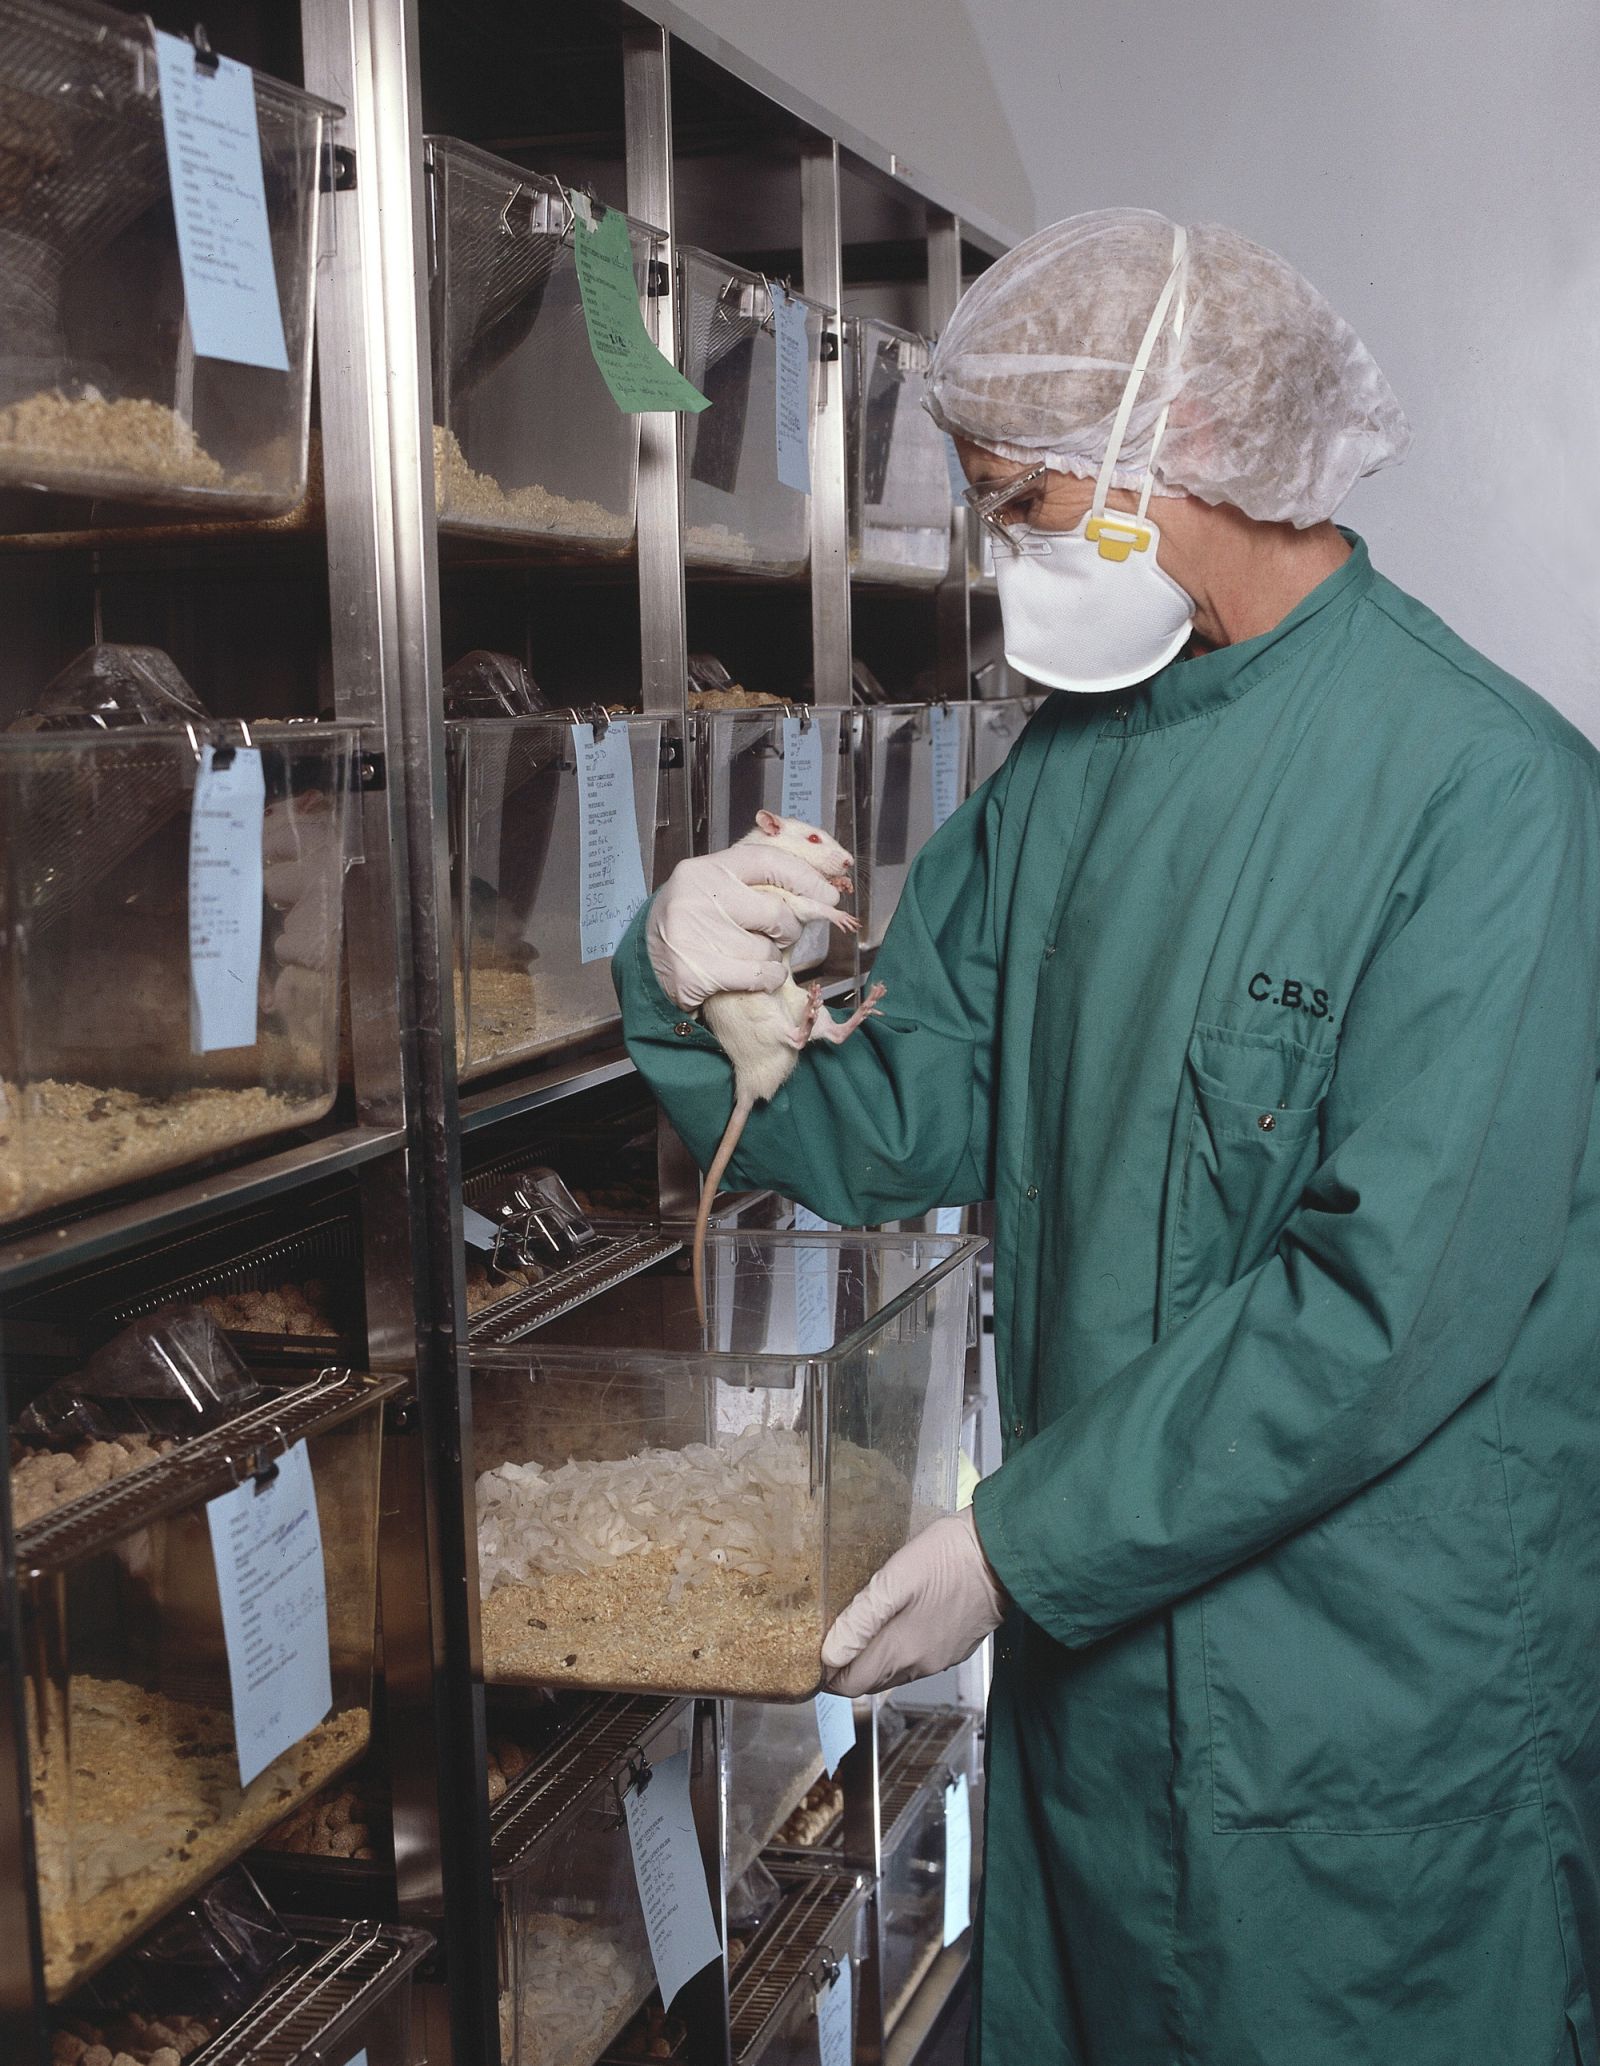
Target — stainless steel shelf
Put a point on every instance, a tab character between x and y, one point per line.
59	1245
563	1078
385	648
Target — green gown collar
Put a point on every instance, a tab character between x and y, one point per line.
1190	688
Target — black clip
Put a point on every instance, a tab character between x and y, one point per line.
658	278
671	751
338	170
372	772
634	1778
828	351
260	1465
205	58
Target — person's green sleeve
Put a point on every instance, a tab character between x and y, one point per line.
897	1120
1453	1134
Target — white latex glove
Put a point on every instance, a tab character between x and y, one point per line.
930	1606
717	926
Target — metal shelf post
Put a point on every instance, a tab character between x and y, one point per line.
383	570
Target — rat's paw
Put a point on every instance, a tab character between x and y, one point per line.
846	921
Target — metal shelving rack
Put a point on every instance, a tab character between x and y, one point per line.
670	122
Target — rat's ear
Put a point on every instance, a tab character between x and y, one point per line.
769	822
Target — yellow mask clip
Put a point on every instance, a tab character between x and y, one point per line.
1117	536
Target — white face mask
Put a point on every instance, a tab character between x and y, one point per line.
1090	609
1076	618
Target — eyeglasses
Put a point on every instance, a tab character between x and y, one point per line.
988	501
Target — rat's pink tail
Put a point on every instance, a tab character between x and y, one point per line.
708	1191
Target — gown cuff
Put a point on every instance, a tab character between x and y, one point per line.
1011	1564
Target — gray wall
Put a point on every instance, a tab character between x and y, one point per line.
1433	168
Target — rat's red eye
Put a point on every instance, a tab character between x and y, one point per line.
814	838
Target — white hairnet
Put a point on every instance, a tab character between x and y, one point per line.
1277	406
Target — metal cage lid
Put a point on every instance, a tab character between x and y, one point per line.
793	1948
608	1732
200	1469
91	26
310	2015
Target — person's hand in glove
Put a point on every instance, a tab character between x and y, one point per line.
930	1606
717	926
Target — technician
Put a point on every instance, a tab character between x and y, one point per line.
1261	991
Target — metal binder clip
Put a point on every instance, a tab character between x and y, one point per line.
594	715
634	1778
258	1463
205	58
542	1222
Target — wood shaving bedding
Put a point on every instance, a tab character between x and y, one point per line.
60	1141
151	1809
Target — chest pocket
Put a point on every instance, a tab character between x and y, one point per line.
1252	1140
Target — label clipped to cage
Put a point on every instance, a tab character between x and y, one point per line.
957	1858
836	2019
208	113
266	1539
944	724
671	1876
794	391
612	885
225	888
802	770
836	1729
639	376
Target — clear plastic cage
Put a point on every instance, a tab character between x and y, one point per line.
675	1509
814	1941
774	1760
132	1755
346	1997
100	1078
102	392
528	443
915	1771
575	1960
738	515
911	772
536	890
996	728
740	767
899	465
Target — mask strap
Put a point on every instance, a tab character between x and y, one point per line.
1141	363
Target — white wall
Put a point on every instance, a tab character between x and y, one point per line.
1434	168
910	74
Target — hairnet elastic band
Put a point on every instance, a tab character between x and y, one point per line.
1130	393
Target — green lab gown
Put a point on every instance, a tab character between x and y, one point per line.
1263	1000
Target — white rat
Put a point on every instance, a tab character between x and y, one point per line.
762	1033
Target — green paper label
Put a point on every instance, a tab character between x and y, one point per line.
639	376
